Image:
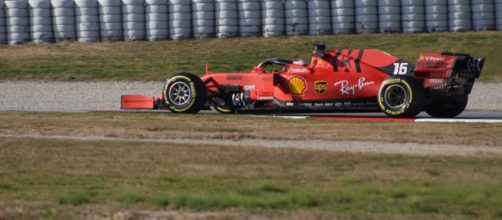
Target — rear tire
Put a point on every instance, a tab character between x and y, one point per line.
185	93
446	107
224	109
401	97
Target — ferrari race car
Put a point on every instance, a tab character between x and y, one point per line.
349	80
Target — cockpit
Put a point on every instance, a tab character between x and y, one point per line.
274	65
274	61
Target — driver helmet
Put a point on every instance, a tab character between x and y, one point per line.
300	62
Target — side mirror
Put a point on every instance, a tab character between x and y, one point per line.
276	79
478	65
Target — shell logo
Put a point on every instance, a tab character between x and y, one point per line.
296	85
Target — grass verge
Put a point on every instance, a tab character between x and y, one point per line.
158	60
249	180
202	126
74	198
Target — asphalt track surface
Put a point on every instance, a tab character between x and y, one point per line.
485	102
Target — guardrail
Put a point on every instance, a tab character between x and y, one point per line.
42	21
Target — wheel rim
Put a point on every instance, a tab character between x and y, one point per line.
395	96
180	93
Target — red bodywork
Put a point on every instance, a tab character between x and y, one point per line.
357	74
334	80
436	69
136	102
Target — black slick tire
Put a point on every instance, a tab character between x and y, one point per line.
184	93
401	97
446	107
224	109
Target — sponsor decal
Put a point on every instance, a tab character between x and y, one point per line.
346	104
296	85
298	70
400	68
436	62
391	81
431	58
435	83
265	98
192	87
438	81
347	89
249	87
234	77
320	86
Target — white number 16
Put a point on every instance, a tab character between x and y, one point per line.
400	68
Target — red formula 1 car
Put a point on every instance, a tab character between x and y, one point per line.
362	80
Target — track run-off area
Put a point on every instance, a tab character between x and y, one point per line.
66	140
318	145
485	102
485	106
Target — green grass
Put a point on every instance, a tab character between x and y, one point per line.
74	198
413	198
62	175
262	199
6	186
53	178
158	60
131	197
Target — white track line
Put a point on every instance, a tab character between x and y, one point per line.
280	116
458	120
296	117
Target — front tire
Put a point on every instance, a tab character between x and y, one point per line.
401	97
446	107
185	93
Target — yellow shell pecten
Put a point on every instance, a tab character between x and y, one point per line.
296	85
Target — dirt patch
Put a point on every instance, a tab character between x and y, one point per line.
336	146
238	127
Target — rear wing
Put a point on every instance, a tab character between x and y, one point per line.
444	65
